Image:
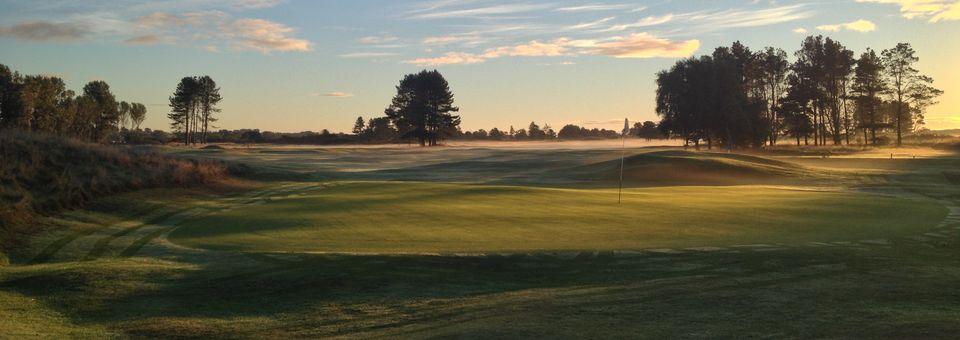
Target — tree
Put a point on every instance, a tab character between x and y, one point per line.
520	134
837	67
496	134
193	106
138	113
708	99
911	91
358	126
868	86
423	107
9	96
183	105
380	129
43	103
104	106
208	99
124	111
647	130
773	68
535	132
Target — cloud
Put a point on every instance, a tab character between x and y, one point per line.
147	39
215	29
862	26
256	4
644	45
591	24
645	22
450	58
368	55
800	30
378	39
531	49
593	7
932	10
735	18
335	94
479	11
448	39
265	36
46	31
637	45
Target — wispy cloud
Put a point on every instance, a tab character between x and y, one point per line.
644	45
257	3
358	55
862	26
496	10
215	28
46	31
932	10
264	36
591	24
739	18
593	7
645	22
450	58
800	30
636	45
335	94
378	39
147	39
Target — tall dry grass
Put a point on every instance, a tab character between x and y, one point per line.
40	174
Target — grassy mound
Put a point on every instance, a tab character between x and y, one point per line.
41	174
688	168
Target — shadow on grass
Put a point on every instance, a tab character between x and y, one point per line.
806	292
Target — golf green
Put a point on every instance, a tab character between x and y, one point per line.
403	217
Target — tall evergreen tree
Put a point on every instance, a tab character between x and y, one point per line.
868	86
358	126
423	107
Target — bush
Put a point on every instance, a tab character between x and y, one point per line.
42	174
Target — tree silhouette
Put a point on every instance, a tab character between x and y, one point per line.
358	126
104	109
192	107
138	113
868	86
911	91
422	108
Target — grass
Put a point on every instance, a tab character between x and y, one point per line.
384	217
118	278
899	291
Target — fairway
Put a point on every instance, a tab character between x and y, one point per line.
402	217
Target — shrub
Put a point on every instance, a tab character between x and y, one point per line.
41	174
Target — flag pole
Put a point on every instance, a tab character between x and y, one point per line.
623	150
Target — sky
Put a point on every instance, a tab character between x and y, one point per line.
307	65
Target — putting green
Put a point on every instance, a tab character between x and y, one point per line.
395	217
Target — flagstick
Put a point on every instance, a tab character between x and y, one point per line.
623	148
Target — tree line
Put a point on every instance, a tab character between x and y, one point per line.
43	104
739	98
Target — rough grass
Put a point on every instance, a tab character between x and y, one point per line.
384	217
43	174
